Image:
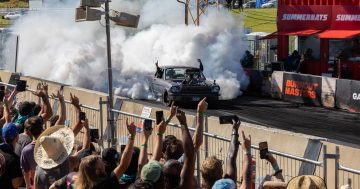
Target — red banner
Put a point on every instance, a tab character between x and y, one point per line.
345	18
296	18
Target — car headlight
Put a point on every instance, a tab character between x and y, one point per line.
215	89
175	89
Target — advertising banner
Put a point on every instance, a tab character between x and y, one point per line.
302	89
294	18
348	95
345	17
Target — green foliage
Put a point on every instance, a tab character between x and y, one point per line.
14	3
259	20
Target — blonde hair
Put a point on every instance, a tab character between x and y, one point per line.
87	177
211	171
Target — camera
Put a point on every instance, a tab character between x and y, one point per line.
228	119
20	85
147	124
264	151
159	117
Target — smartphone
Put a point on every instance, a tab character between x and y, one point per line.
21	85
264	151
2	92
82	116
147	124
94	134
159	117
227	119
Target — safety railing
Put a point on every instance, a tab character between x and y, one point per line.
213	144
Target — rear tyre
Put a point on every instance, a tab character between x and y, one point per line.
166	100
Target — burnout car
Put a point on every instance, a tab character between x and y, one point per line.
183	84
12	16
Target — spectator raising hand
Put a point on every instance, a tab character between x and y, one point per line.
143	159
198	136
246	146
62	117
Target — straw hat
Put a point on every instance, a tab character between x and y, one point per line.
53	146
306	182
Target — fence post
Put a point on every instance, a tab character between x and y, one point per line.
206	137
325	163
101	120
337	166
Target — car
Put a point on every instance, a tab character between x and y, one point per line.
270	4
183	84
12	16
250	4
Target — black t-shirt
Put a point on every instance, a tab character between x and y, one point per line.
12	167
111	182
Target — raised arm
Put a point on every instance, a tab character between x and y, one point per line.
277	171
160	129
231	169
143	157
246	146
198	136
62	117
86	139
75	102
12	96
47	111
7	116
187	172
127	154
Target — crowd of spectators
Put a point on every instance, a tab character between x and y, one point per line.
38	158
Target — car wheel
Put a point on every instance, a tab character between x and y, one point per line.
166	100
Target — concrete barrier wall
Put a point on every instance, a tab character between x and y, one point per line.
277	84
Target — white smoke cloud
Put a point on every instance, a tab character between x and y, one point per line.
54	47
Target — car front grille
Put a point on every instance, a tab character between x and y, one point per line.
195	90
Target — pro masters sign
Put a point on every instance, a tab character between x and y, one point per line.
302	89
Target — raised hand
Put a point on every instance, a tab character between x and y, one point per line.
173	109
236	124
145	135
74	100
58	96
131	127
246	144
202	106
180	115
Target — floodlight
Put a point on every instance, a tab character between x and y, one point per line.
91	3
87	14
125	19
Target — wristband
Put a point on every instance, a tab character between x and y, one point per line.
159	134
275	167
200	113
247	152
144	145
277	172
132	136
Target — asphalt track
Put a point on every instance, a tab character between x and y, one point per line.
332	124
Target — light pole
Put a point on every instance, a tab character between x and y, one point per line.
110	79
86	12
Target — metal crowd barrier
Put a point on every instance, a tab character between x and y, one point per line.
212	145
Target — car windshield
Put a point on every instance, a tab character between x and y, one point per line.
180	73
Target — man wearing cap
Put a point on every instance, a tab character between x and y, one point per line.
12	177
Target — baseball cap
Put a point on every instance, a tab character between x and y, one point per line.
224	184
10	130
151	171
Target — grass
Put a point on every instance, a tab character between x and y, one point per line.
14	3
260	20
4	23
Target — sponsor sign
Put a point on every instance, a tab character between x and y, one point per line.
348	94
345	18
302	88
295	18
